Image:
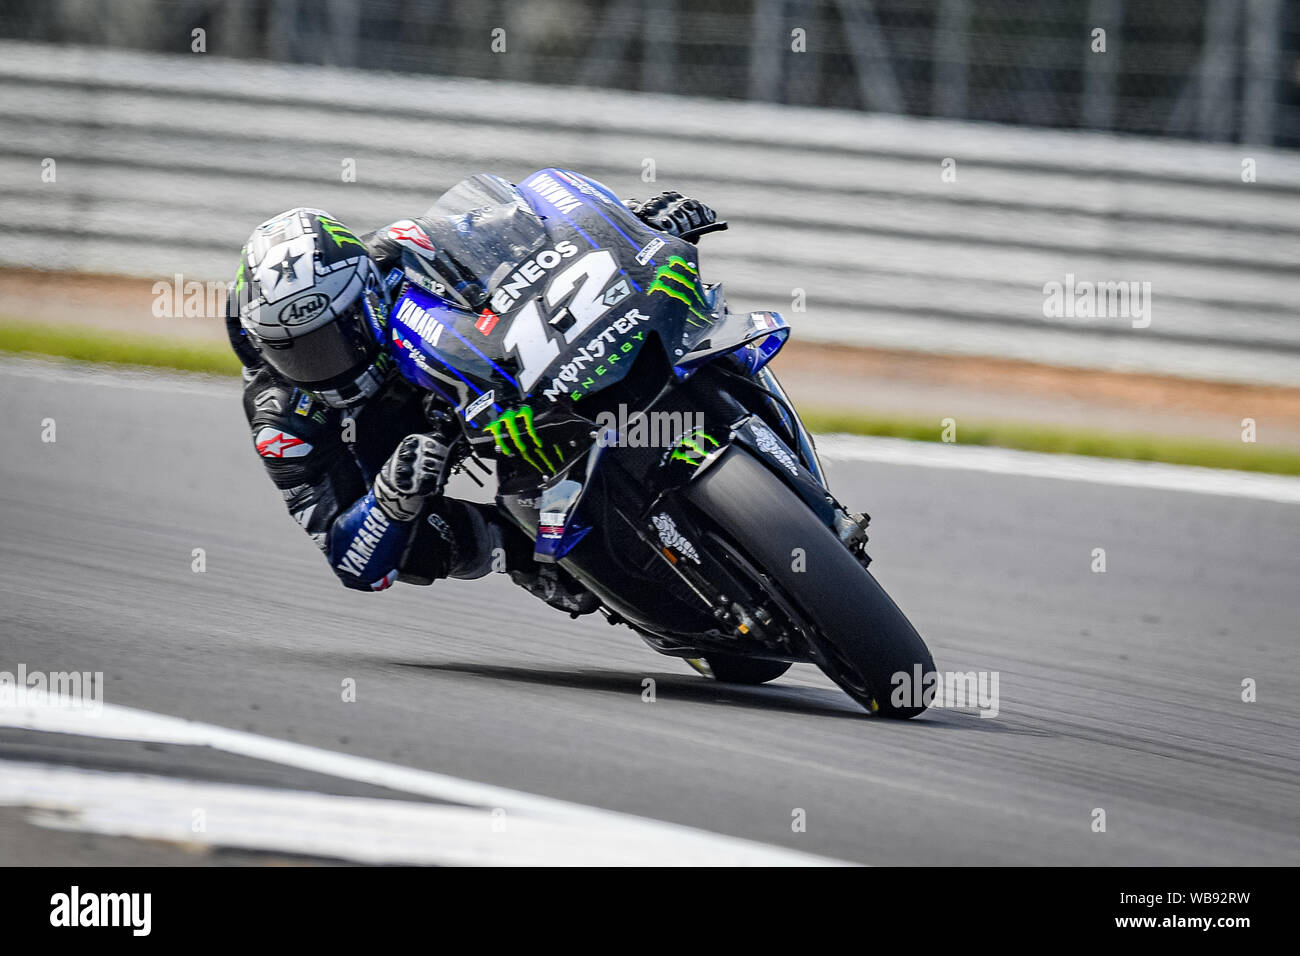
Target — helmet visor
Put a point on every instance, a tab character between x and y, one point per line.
332	353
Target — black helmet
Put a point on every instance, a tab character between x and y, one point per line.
311	301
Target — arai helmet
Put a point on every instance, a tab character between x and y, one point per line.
311	302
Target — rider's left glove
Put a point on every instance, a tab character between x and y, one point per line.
416	471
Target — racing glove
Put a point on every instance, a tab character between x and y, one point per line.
416	471
677	215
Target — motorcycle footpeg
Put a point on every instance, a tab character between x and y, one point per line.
852	528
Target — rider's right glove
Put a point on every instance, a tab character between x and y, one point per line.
417	470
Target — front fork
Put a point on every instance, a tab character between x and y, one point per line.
760	440
803	442
850	527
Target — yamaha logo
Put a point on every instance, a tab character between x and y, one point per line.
304	310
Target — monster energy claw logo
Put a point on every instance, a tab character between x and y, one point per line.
693	449
338	232
678	279
524	440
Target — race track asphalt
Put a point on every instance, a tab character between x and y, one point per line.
1119	691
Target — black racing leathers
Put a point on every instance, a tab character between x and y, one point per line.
324	462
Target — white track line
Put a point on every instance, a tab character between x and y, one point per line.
889	451
538	829
359	829
1028	464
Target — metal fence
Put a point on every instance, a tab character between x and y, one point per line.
889	231
1219	70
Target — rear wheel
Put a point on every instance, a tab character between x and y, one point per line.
861	636
734	669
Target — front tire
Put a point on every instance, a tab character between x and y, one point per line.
859	632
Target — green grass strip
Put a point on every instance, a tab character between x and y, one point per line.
1074	441
94	345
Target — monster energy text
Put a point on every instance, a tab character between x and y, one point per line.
600	352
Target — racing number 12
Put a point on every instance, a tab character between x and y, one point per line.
527	336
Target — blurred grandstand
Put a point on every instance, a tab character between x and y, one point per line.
1219	70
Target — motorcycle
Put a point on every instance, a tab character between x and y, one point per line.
639	436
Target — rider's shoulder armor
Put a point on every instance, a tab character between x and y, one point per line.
384	249
292	432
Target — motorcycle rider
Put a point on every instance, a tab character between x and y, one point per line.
356	451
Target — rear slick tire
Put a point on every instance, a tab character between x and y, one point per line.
857	628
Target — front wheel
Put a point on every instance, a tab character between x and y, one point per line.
861	637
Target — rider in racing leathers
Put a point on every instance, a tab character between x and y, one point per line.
347	441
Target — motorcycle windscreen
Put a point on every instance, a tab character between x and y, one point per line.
482	229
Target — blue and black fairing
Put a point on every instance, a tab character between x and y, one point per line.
483	274
534	298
